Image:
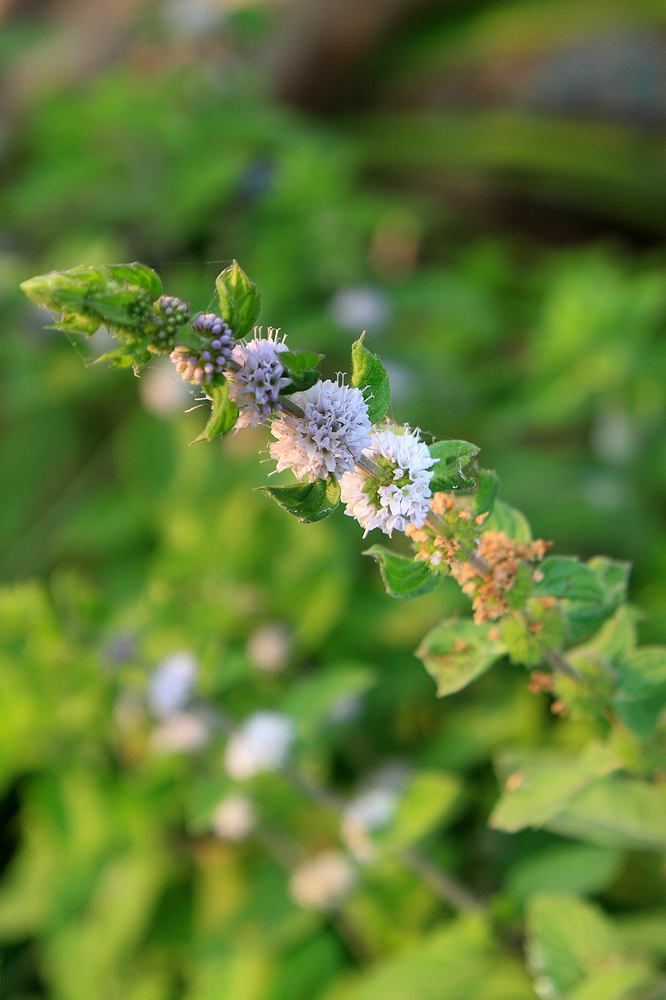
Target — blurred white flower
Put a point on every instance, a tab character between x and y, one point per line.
171	684
268	647
360	307
162	393
180	733
255	388
400	496
261	743
614	436
372	808
330	436
323	881
193	18
234	818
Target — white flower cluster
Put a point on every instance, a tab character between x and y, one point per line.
234	818
255	385
323	881
261	743
399	494
330	436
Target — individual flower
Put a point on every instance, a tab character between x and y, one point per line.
171	684
397	493
322	882
261	743
256	378
330	436
234	818
185	731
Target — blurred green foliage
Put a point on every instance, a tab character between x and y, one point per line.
121	545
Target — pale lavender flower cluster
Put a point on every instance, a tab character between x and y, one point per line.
256	377
330	436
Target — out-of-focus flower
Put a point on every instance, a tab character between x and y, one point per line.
261	743
614	436
399	494
322	882
171	684
346	708
194	18
161	392
330	436
180	733
372	808
268	647
234	818
255	386
360	307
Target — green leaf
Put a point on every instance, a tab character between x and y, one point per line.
538	785
90	295
120	358
527	638
75	323
301	367
458	960
137	276
565	577
457	651
521	588
238	298
613	577
620	982
452	469
563	868
308	502
486	491
223	416
430	799
616	812
615	639
368	373
510	521
567	940
311	703
402	576
641	696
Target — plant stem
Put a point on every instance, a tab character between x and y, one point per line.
369	467
558	662
291	407
449	889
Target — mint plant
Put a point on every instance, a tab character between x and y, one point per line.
566	621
